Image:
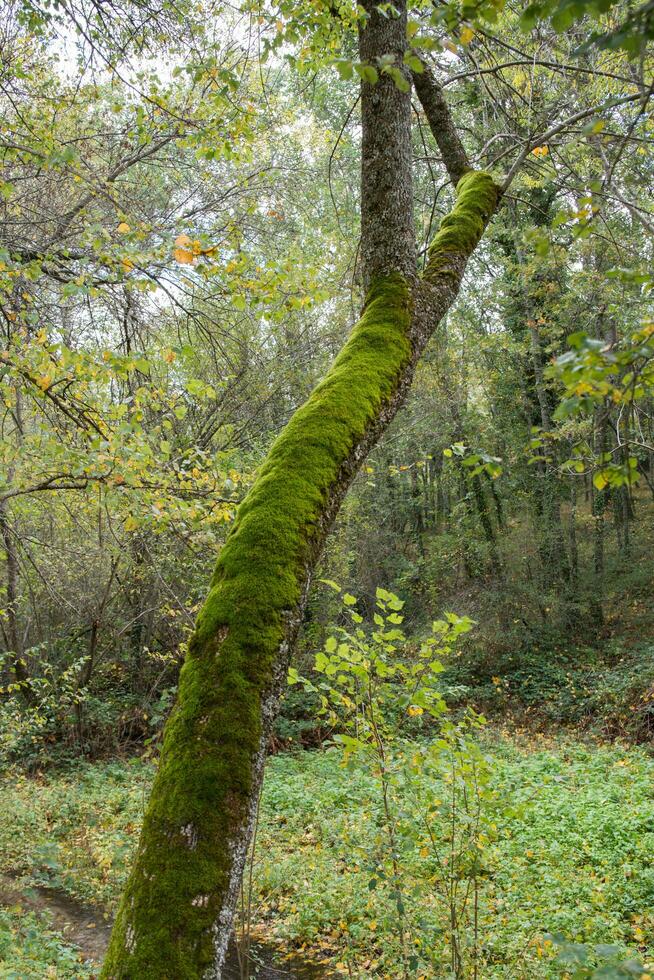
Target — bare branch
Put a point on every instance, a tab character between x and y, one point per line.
559	128
441	124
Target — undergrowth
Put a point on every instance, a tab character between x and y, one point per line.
575	856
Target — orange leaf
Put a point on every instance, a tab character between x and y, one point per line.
183	255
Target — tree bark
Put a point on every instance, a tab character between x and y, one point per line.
8	534
13	637
487	526
555	562
441	123
176	915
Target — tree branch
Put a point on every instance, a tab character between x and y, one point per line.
441	124
558	128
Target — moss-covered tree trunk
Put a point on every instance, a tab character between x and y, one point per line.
176	914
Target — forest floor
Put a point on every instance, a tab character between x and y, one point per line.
573	855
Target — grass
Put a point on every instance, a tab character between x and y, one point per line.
574	855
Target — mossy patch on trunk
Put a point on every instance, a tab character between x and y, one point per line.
204	785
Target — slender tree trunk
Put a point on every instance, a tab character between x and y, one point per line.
176	915
554	556
86	672
12	564
497	500
487	526
417	513
574	548
14	639
599	503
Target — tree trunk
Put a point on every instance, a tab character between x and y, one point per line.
554	557
13	637
417	512
176	915
574	547
599	504
487	526
12	634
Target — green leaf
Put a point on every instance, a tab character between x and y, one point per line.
368	73
414	63
344	68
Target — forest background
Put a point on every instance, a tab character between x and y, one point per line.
178	268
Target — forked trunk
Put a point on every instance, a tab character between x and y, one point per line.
177	911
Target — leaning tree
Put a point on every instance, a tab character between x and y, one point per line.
176	914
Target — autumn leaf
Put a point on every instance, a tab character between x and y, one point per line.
183	251
123	228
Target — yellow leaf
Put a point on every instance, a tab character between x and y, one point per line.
183	255
130	523
127	264
123	228
466	36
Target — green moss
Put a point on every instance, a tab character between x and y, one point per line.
461	229
203	786
175	891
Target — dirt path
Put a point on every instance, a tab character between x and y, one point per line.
78	925
89	930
